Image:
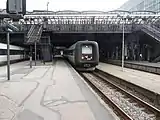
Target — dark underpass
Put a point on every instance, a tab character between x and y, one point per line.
138	45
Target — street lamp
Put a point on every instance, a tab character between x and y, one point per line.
123	46
47	6
123	40
9	28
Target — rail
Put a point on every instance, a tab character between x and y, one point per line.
30	31
127	105
153	32
39	32
83	28
35	34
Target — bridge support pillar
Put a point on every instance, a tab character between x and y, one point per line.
148	56
133	47
117	55
46	49
46	53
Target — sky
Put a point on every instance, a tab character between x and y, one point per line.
79	5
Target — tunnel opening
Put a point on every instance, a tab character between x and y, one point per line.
138	46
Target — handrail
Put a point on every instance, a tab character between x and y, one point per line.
152	28
40	32
155	33
30	31
155	27
36	34
156	59
152	32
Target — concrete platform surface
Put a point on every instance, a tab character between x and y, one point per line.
144	63
144	79
49	92
13	67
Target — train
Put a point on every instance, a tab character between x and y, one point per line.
17	53
83	55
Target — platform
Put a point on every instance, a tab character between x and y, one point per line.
145	63
139	65
144	79
53	91
13	67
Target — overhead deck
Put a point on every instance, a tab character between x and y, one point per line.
90	21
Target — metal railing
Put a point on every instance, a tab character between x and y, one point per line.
152	31
35	34
156	59
30	31
101	28
40	32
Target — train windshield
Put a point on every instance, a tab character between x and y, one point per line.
86	49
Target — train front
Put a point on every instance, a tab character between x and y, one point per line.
87	55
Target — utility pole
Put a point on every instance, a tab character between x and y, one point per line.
8	55
144	5
35	52
47	6
123	47
30	56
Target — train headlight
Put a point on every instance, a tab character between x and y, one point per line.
82	57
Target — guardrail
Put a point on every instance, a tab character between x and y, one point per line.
101	28
35	35
30	31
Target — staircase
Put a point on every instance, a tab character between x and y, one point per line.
154	32
34	34
156	59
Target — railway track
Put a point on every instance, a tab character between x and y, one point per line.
124	103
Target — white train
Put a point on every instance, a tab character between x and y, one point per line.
16	53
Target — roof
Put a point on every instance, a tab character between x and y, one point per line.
130	4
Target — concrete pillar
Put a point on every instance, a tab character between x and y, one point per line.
126	51
117	53
46	53
133	51
112	57
108	56
46	49
148	54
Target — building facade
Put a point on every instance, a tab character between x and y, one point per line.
138	5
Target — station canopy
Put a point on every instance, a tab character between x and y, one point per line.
91	17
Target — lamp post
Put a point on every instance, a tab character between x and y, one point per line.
35	52
47	6
9	28
30	56
123	46
123	40
144	5
8	55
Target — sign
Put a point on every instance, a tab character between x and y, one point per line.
16	7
